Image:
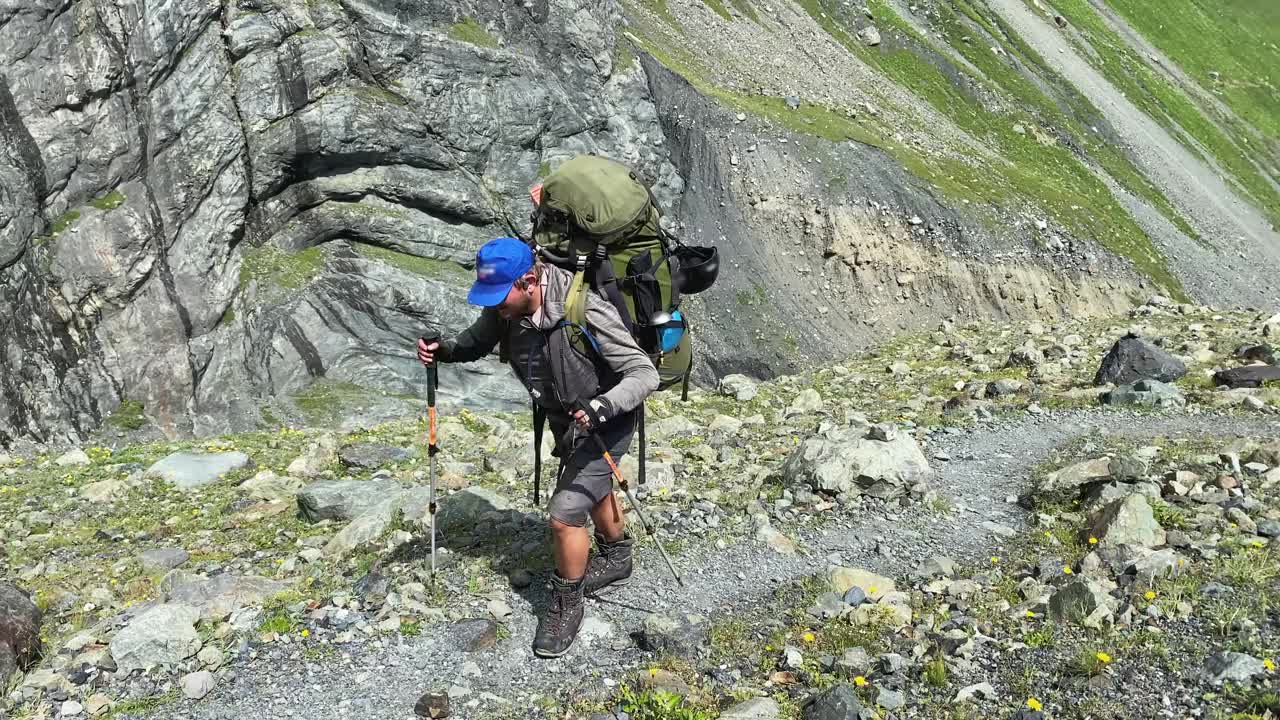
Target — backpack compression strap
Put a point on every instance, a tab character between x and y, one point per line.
575	306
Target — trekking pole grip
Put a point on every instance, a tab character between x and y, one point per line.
432	377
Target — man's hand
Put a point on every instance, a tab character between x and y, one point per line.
427	352
593	414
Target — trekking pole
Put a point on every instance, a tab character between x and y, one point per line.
635	505
432	449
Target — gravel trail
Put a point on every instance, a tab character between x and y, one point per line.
987	465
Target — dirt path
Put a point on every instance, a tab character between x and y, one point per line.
986	466
1243	235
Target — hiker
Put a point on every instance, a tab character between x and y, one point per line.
599	392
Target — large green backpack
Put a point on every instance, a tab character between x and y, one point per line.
593	216
597	219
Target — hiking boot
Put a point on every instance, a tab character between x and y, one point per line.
609	568
559	626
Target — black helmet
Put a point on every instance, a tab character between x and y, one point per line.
696	268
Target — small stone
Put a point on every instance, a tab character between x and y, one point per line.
475	635
210	657
72	458
432	705
890	699
838	703
760	708
500	610
162	560
891	663
1234	667
198	684
936	567
983	691
521	579
97	704
71	708
793	658
808	401
828	606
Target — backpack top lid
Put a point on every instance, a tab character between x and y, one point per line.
598	196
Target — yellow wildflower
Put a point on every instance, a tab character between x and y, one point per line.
1034	704
1030	614
1066	570
653	672
1093	541
859	681
305	632
994	559
1269	664
1103	657
809	637
1150	595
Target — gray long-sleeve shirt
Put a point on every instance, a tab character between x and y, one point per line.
636	376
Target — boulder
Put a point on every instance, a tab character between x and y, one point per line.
319	456
217	597
1074	476
1127	521
104	491
19	631
871	36
266	485
739	387
72	458
371	524
465	509
936	567
1084	602
1145	393
981	691
874	586
1002	387
371	456
1256	354
1132	358
162	559
851	460
840	702
189	471
198	684
343	499
1027	356
761	708
163	635
680	634
808	401
672	427
1249	376
1233	667
1271	326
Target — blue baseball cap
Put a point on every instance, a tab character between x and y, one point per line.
499	263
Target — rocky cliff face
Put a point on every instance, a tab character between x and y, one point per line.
232	211
209	204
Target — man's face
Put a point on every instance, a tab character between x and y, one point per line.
519	302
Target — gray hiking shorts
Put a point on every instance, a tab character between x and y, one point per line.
586	480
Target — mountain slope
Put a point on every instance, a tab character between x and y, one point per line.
236	214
